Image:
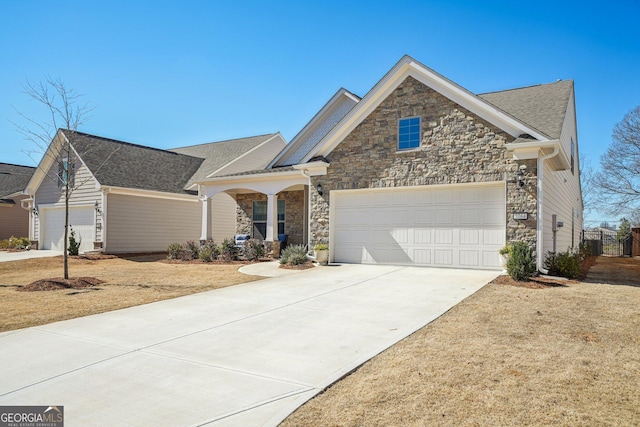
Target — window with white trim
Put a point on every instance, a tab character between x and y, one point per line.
65	172
409	133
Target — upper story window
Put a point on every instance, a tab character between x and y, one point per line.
573	150
408	133
66	172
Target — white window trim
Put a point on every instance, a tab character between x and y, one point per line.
404	150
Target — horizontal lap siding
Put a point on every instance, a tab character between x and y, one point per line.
223	213
145	224
14	221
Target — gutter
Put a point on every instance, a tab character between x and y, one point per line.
539	231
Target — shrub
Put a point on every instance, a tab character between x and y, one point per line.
74	245
584	251
192	250
321	247
15	243
175	250
521	265
563	264
294	255
253	249
209	251
228	250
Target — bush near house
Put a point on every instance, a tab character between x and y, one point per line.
74	245
209	251
15	243
253	249
563	264
521	265
293	255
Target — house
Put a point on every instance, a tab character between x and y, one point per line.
14	221
420	171
132	198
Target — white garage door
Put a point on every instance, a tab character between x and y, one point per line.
81	219
444	226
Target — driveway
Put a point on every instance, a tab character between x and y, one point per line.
16	256
245	355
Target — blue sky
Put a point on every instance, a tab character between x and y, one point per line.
175	73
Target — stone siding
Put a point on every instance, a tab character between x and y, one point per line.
294	214
456	147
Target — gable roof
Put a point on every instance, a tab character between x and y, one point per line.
511	122
14	179
219	154
122	164
543	107
324	120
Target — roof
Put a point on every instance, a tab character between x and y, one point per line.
218	154
122	164
14	178
542	107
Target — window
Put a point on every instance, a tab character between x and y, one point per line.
409	133
260	218
65	171
573	149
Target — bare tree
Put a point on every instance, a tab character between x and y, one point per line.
618	180
55	137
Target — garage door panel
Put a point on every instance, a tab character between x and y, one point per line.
451	227
81	220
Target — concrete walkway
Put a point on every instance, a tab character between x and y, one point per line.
16	256
246	355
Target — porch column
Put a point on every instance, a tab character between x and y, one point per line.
207	231
272	217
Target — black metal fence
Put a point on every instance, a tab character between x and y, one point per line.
607	242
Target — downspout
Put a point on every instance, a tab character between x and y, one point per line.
539	231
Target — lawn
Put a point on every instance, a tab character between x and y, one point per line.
127	282
508	355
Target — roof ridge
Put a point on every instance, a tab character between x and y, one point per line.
125	142
525	87
224	140
20	166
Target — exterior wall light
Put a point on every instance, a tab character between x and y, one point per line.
520	176
95	205
319	188
35	211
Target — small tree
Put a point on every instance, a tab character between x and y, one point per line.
55	137
624	230
521	264
619	178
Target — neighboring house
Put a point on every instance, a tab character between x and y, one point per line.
421	172
132	198
14	220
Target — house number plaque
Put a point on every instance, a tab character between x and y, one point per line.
520	215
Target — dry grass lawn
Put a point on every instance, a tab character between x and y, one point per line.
128	282
562	356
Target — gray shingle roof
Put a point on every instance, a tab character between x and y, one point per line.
542	107
122	164
14	178
218	154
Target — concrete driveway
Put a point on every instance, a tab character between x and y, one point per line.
17	256
247	355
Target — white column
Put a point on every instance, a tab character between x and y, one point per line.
272	217
207	231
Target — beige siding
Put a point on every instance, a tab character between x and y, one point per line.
14	221
562	195
223	213
85	193
146	224
255	159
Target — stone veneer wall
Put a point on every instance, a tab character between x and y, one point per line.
457	147
294	214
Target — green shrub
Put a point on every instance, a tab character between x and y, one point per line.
74	245
209	251
563	264
253	249
584	251
228	250
294	255
321	247
192	250
175	250
521	265
15	243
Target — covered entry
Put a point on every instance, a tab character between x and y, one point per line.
458	226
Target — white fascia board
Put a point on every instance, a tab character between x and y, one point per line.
43	167
313	168
317	118
252	177
409	67
148	193
531	150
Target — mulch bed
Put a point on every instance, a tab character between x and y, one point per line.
58	283
545	282
304	266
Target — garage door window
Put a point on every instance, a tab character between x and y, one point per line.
409	133
260	218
